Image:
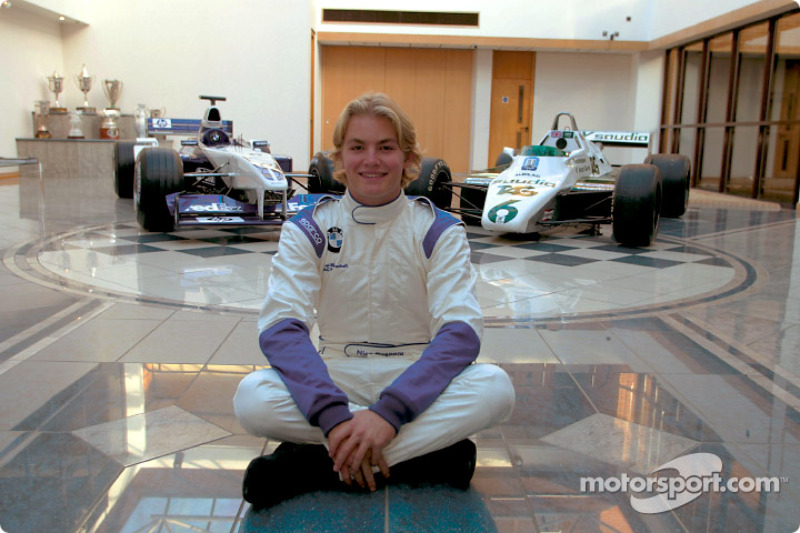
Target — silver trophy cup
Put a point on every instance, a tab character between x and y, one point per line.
85	85
113	90
56	85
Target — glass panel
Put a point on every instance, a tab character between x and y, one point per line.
743	160
693	59
784	140
719	78
688	136
753	51
691	84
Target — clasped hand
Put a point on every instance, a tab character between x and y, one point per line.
357	445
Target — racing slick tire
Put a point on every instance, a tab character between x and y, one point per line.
675	169
124	163
159	172
504	159
321	180
433	175
472	199
636	205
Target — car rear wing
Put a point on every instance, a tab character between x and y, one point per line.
623	139
181	126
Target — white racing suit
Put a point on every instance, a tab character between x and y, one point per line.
392	291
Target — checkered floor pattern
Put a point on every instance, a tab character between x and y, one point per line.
563	272
566	250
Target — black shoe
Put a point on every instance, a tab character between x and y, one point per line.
453	466
291	470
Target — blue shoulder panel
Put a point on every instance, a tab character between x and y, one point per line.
443	221
305	221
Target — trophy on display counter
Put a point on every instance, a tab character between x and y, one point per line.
85	85
113	90
109	127
56	85
41	110
75	125
140	121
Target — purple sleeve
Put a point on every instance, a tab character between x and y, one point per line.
289	349
455	346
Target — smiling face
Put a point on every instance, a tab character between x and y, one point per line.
372	160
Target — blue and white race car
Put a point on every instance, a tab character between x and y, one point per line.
213	180
567	179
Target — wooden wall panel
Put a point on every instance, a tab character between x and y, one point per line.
458	125
434	86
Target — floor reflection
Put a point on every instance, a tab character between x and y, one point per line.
120	352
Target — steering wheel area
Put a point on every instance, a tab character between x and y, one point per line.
215	137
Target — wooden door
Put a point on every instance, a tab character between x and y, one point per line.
512	101
434	86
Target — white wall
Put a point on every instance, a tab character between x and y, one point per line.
481	107
30	50
575	19
598	89
257	53
669	16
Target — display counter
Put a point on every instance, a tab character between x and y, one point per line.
59	126
71	158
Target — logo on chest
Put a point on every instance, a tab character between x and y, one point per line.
335	239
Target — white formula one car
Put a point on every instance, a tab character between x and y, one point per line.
213	180
566	179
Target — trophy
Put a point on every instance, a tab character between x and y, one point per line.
41	110
85	85
113	89
109	126
56	84
75	126
140	121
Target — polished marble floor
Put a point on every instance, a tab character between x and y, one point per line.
120	352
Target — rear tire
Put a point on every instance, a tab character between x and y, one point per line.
675	169
504	159
433	174
321	180
159	172
124	168
636	205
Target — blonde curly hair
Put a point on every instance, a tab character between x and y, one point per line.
379	105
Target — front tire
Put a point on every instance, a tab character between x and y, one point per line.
675	170
159	172
124	164
433	175
636	205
